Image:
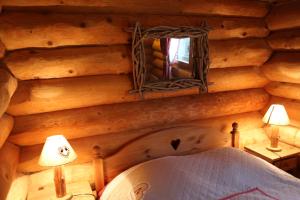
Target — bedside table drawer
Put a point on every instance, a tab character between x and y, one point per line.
287	164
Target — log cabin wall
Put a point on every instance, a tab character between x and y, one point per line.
72	62
283	67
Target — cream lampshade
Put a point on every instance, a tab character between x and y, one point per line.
275	116
56	152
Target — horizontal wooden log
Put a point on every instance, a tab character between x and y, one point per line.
40	96
246	8
231	53
284	16
69	62
9	158
84	146
179	72
283	67
6	125
158	54
110	118
285	40
159	63
227	79
8	85
23	30
286	90
72	62
292	107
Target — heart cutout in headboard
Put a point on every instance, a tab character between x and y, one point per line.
175	143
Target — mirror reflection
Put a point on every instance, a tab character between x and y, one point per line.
168	58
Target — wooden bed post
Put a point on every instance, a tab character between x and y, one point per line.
98	165
235	135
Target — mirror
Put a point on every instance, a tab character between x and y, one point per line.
170	58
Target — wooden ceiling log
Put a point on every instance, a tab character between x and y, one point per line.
8	85
284	16
84	146
286	90
9	159
6	125
81	61
284	67
25	30
128	116
285	40
245	8
38	96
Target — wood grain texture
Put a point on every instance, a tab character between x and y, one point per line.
283	67
9	158
38	96
6	125
286	90
110	118
84	146
82	61
212	7
231	53
284	16
146	148
285	40
8	85
69	62
227	79
23	30
292	107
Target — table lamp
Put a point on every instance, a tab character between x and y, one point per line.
56	152
275	116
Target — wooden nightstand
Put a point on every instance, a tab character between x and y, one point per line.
286	159
48	193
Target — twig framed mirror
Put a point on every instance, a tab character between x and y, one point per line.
170	58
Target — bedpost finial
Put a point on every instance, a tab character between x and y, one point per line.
97	151
235	125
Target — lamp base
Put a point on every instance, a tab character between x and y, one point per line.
66	197
274	149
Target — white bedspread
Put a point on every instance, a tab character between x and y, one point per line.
224	173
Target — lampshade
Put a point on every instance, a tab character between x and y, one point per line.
276	115
56	151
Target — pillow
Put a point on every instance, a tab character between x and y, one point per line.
251	194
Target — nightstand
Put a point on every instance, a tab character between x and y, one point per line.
286	159
48	193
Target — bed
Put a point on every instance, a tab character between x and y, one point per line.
224	173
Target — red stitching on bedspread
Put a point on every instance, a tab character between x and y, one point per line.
248	191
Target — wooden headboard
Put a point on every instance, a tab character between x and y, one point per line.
181	140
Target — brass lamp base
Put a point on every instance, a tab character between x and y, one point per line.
274	149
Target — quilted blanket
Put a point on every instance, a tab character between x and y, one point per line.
221	174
